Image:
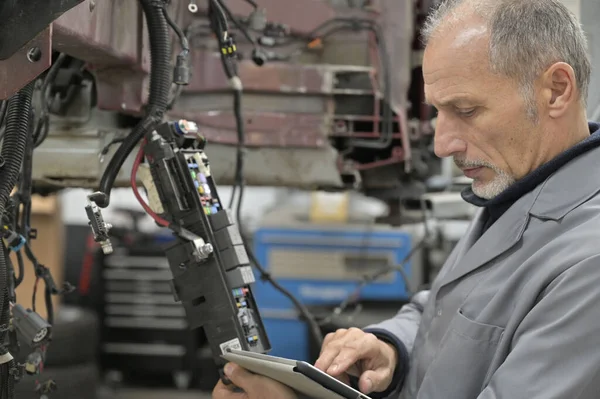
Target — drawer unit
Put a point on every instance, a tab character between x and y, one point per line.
144	329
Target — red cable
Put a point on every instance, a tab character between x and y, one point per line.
85	276
136	165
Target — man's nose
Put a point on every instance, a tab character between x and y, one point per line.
447	141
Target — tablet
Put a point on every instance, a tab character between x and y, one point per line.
298	375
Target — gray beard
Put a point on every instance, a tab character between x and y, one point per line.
492	189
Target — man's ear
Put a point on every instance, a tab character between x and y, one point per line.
559	88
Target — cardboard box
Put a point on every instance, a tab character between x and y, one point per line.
48	247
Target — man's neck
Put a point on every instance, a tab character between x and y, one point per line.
564	136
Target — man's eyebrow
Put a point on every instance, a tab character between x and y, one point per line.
449	101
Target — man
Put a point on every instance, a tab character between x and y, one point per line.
515	311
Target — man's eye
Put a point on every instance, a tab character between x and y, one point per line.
466	112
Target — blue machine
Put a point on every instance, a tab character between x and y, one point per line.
323	265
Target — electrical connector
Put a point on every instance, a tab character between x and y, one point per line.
14	240
181	72
229	48
35	330
184	127
259	57
100	228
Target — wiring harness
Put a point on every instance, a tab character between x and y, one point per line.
20	135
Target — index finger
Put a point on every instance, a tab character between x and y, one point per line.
331	346
351	353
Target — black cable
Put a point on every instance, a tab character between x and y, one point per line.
176	94
43	126
158	100
7	380
21	266
215	13
241	136
110	144
12	153
22	198
237	23
303	310
49	304
183	40
313	325
353	297
215	9
3	108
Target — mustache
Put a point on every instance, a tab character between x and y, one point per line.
472	163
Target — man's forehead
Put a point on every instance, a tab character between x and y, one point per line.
455	59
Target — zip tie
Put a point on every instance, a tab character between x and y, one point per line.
236	83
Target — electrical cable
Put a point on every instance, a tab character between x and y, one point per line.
3	108
335	25
237	23
158	100
21	266
183	40
41	273
43	126
13	149
354	296
239	180
303	310
313	325
221	18
241	136
134	186
387	132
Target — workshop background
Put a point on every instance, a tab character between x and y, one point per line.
352	259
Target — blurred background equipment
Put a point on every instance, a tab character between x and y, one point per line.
325	263
144	331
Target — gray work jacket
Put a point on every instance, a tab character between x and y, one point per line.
515	312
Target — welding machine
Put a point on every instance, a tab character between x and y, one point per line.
322	265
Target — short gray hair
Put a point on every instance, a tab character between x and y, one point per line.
526	37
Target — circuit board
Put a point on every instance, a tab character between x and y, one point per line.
200	172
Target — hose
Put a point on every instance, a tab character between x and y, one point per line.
160	84
15	141
12	154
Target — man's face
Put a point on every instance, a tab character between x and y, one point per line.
482	117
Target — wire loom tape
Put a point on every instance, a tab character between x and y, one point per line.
7	357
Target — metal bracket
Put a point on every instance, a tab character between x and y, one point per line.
26	64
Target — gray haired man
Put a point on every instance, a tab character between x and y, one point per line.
515	311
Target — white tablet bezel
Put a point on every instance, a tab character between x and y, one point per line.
284	371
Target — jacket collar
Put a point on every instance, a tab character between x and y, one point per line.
568	187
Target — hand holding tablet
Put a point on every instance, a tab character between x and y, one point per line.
301	377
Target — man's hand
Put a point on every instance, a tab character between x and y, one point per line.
354	352
254	386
